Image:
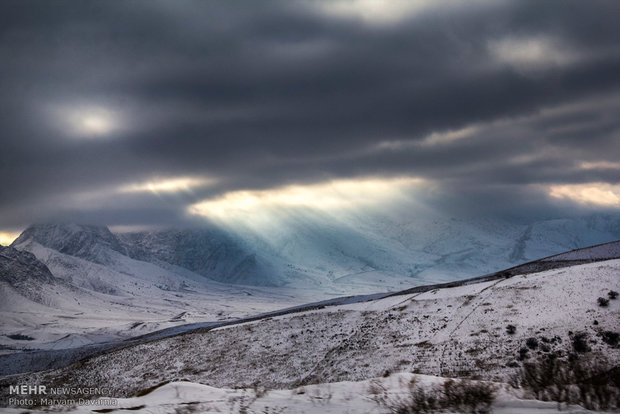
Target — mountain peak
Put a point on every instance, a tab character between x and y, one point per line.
81	240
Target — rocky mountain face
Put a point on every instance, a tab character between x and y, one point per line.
24	273
208	252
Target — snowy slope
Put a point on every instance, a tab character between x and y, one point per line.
459	331
331	398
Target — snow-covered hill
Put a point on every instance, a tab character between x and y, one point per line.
463	331
345	397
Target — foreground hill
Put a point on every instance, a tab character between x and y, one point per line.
484	330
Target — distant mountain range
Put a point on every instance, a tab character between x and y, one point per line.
208	252
362	257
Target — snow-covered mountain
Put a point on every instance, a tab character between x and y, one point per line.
92	243
359	256
443	249
209	252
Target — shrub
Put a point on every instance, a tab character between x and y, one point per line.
458	396
580	342
612	294
603	302
587	382
532	343
467	396
611	338
511	329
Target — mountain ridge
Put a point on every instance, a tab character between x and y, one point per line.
369	257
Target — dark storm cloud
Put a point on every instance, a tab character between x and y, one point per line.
261	94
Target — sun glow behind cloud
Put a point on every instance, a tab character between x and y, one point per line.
6	238
87	121
373	11
251	207
597	194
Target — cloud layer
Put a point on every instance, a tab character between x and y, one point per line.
130	113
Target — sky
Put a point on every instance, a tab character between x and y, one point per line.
139	114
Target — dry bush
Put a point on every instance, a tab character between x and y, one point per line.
463	396
468	396
580	343
589	382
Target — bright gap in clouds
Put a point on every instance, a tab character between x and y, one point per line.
383	12
433	139
373	11
597	194
167	185
251	207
